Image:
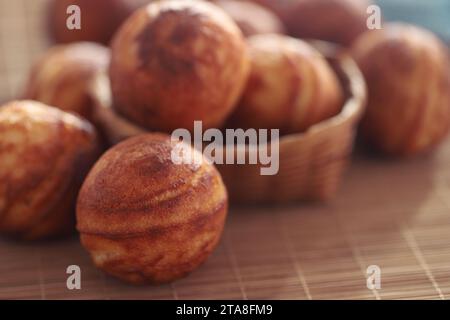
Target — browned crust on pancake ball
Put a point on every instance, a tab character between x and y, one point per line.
407	71
252	18
44	155
339	21
174	62
145	219
99	19
291	86
63	76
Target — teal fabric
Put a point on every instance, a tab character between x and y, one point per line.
432	14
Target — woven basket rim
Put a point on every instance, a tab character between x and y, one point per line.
352	109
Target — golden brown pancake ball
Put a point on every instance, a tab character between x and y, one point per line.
44	155
291	86
145	219
407	71
175	62
252	18
63	76
99	19
339	21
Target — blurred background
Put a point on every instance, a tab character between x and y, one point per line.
23	32
432	14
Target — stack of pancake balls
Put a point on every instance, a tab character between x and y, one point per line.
227	63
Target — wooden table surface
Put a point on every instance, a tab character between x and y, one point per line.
393	214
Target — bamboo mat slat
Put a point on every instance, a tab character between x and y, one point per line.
393	214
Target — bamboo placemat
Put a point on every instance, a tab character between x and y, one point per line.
394	214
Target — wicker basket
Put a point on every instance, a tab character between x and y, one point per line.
311	163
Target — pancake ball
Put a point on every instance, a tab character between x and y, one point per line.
407	70
44	155
145	219
291	86
99	19
175	62
63	76
252	18
338	21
